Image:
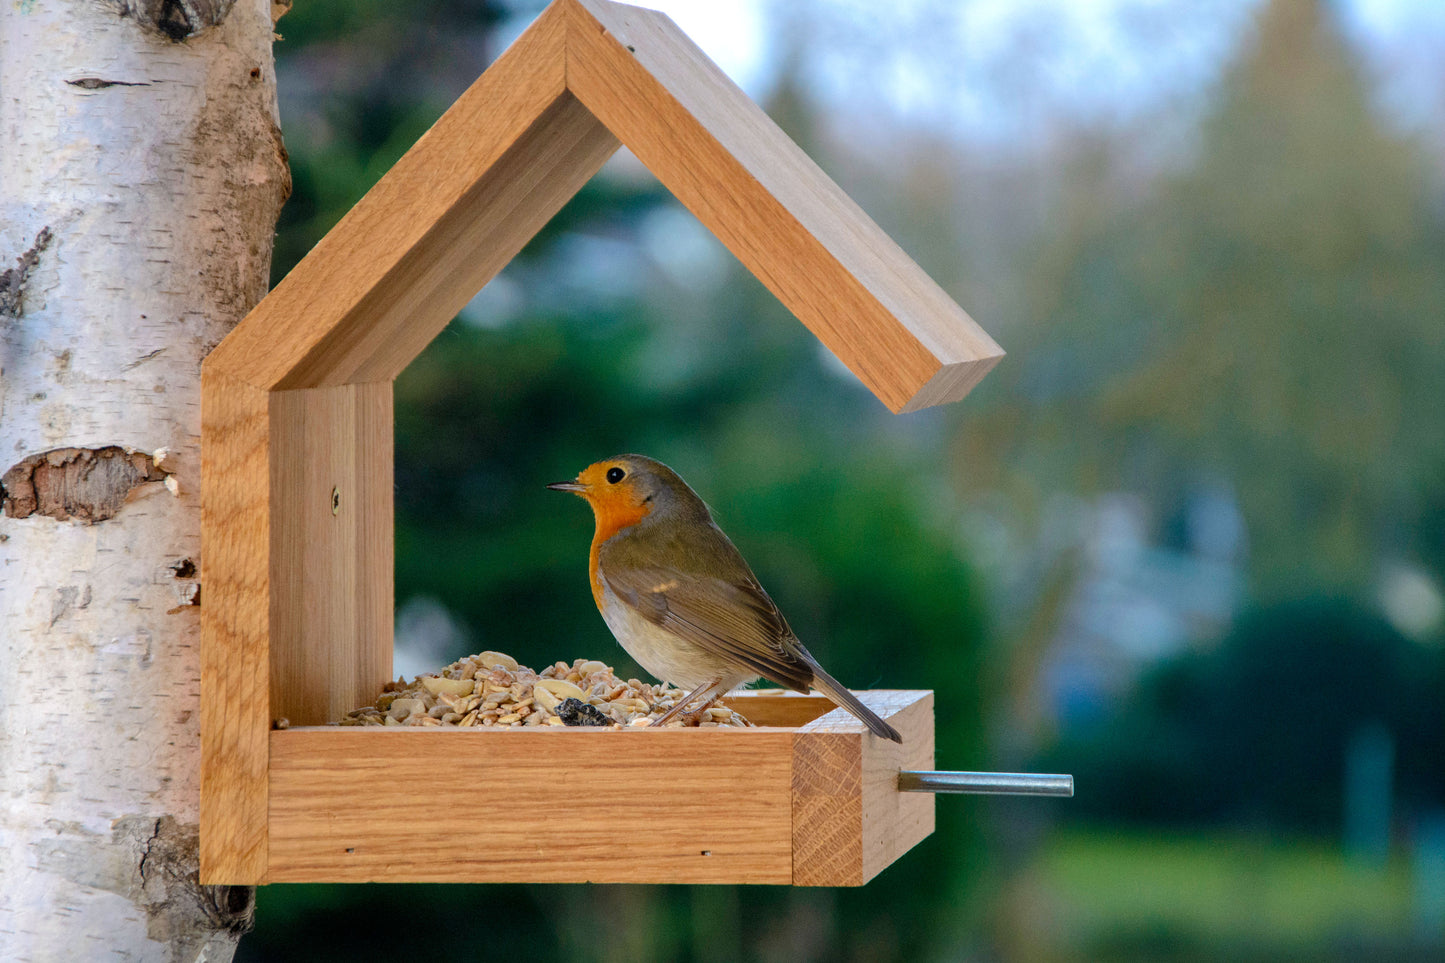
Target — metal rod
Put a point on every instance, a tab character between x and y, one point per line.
997	783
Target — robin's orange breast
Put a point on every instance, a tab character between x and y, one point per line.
612	517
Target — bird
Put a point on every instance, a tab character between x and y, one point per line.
679	596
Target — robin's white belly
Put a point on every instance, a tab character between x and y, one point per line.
665	655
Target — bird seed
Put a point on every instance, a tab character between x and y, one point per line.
491	690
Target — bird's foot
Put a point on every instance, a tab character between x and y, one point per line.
709	692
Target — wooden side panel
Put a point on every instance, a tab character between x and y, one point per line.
827	809
849	819
235	708
894	822
442	222
773	207
552	805
331	549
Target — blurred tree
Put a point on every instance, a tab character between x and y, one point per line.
1269	316
359	82
1255	732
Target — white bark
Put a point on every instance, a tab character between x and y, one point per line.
140	179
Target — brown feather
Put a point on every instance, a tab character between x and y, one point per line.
715	603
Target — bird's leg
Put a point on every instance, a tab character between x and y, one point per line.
709	691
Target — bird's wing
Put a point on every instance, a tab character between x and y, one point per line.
735	620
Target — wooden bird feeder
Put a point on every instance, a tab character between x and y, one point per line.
297	507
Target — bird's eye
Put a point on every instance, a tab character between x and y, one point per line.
615	475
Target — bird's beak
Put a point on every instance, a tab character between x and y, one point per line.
570	486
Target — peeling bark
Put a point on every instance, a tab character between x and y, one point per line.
89	485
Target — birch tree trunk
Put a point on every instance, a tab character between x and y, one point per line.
141	173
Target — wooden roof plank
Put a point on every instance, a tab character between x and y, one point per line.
773	207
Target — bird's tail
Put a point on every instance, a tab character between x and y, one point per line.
831	688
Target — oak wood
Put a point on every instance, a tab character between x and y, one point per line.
331	564
778	707
235	662
849	819
894	822
530	805
587	805
773	207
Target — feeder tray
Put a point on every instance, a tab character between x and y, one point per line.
808	797
297	506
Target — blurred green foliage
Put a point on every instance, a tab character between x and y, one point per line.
1254	732
1271	318
1175	898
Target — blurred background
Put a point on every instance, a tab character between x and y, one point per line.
1186	542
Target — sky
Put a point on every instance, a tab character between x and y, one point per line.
1091	59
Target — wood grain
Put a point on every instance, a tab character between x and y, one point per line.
828	810
773	207
235	663
551	805
331	566
805	805
849	819
779	707
894	822
444	220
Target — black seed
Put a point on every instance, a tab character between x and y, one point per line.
575	712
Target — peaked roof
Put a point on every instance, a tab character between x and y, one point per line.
585	78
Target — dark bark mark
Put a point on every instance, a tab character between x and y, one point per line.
12	280
148	356
185	568
95	83
178	908
86	484
177	20
174	20
155	864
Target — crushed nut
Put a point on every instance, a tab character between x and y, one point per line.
491	689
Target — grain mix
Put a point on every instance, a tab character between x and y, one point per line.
490	689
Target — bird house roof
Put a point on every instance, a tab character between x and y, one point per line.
587	77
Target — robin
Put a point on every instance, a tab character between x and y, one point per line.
679	597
